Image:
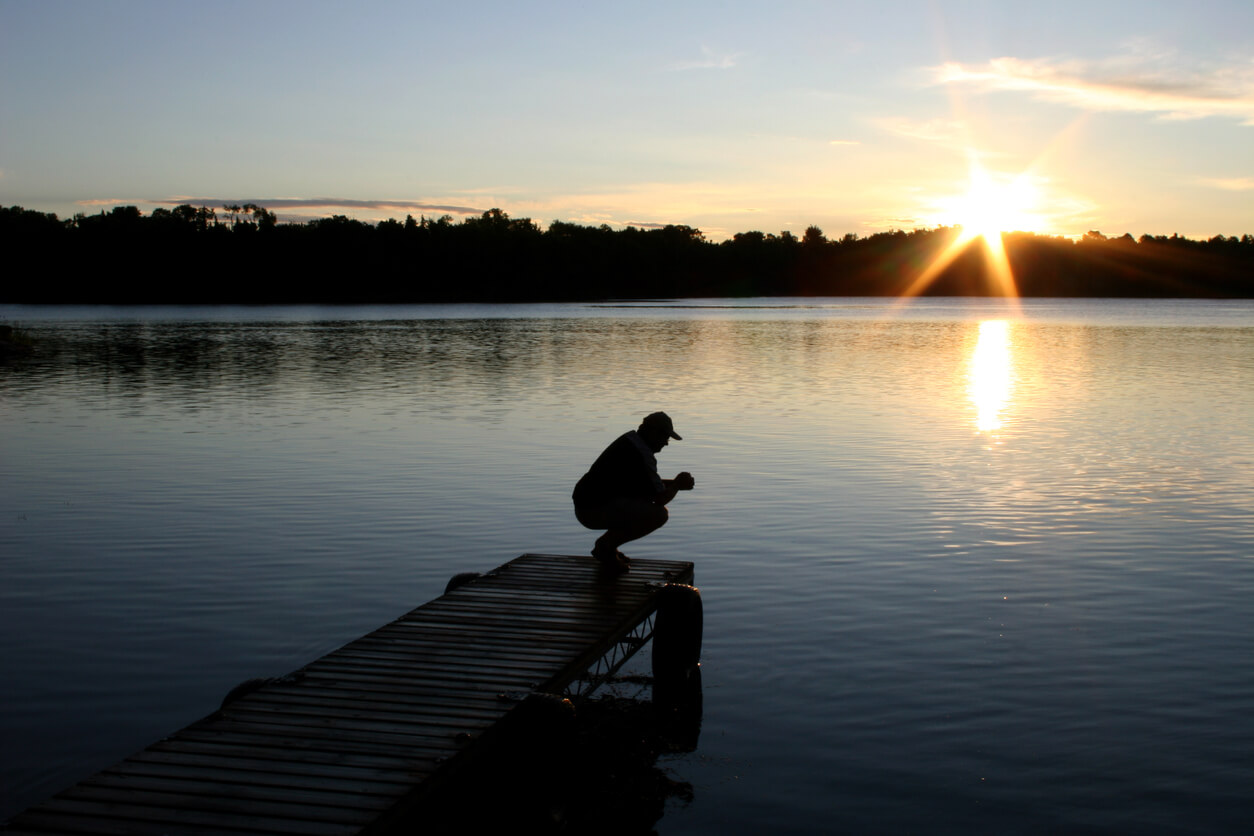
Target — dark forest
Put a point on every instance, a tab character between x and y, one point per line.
242	254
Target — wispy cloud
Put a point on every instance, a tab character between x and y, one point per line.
112	201
905	223
328	203
1139	81
710	60
844	142
949	133
1230	184
318	204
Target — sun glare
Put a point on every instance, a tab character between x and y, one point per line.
992	205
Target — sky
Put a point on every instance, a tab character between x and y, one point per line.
1057	118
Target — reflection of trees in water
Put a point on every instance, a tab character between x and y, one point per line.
438	366
153	359
472	369
481	359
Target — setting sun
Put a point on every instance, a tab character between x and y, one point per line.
993	204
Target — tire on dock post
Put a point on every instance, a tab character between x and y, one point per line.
677	630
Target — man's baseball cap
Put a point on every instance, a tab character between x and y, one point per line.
661	422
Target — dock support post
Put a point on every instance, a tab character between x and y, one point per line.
677	634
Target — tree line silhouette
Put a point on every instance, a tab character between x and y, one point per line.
242	254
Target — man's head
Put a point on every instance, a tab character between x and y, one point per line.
657	430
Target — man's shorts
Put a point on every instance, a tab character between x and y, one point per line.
624	512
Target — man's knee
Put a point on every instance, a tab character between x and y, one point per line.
634	514
654	518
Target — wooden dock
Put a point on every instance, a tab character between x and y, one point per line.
366	733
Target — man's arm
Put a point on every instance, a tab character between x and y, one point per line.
682	482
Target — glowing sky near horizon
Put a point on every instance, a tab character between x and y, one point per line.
729	117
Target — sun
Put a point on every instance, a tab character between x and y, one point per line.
993	204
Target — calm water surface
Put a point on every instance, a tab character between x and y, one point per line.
966	566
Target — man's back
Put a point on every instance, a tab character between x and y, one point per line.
626	468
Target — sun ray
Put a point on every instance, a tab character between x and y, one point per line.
938	264
990	207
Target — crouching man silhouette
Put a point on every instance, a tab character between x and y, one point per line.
622	492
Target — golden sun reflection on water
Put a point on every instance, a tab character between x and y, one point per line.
989	375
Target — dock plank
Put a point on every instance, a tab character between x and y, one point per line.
254	758
196	775
351	737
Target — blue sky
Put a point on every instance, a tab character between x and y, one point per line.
855	117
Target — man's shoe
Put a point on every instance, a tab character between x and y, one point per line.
615	561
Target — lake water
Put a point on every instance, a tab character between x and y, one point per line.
967	566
